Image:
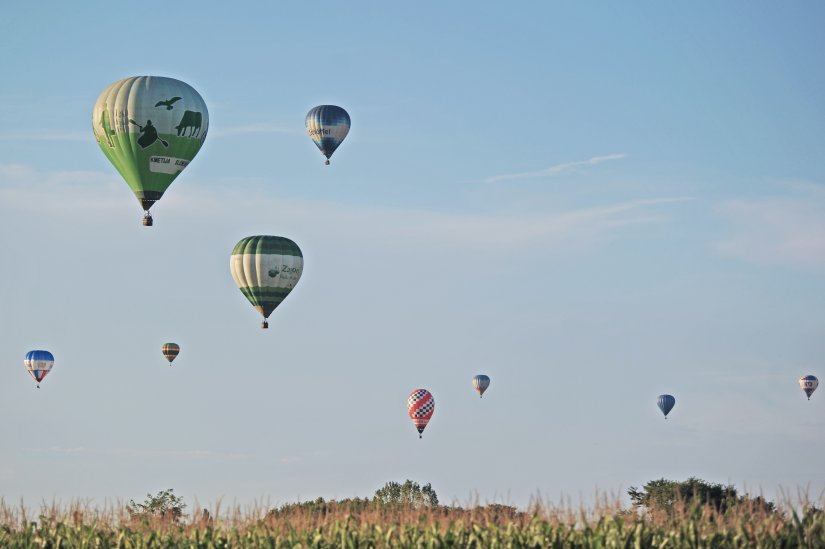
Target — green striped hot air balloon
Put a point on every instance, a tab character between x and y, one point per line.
266	269
150	128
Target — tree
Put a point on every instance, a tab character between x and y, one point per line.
409	494
164	505
321	507
662	494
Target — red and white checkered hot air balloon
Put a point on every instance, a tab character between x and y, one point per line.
421	406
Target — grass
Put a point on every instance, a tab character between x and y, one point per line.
332	524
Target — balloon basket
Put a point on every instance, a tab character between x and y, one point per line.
326	162
264	325
147	220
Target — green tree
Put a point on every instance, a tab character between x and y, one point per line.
409	494
663	494
321	507
164	505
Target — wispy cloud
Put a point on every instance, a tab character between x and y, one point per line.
46	135
558	169
559	230
386	227
782	230
143	453
254	129
28	189
59	135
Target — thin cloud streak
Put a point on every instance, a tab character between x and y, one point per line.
141	452
254	129
406	229
558	169
784	231
27	189
60	193
46	135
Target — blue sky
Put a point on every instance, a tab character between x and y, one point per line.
592	204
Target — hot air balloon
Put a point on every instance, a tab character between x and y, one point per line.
665	403
266	269
808	384
38	364
170	351
420	405
480	383
327	126
150	128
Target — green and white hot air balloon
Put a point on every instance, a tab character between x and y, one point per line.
150	128
266	269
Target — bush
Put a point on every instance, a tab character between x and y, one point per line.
663	495
164	505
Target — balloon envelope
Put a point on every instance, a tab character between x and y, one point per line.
39	364
480	383
150	128
170	351
808	384
666	403
420	405
266	269
327	126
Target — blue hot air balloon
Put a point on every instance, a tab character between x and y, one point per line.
480	384
327	126
38	364
808	384
666	403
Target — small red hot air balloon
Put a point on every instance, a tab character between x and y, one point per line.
421	406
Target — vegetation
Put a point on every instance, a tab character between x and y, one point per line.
662	495
409	494
409	521
165	506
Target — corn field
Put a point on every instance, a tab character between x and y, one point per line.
608	526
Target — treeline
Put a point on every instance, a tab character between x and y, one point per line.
663	513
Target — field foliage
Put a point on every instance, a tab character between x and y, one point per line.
375	523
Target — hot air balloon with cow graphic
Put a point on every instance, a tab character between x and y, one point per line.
266	269
150	128
327	126
39	363
420	406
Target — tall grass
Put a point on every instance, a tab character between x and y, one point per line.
607	525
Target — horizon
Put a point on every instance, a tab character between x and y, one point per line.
592	205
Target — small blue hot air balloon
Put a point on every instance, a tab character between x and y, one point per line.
808	384
480	384
39	363
327	126
666	403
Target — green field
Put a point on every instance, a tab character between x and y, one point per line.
364	523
